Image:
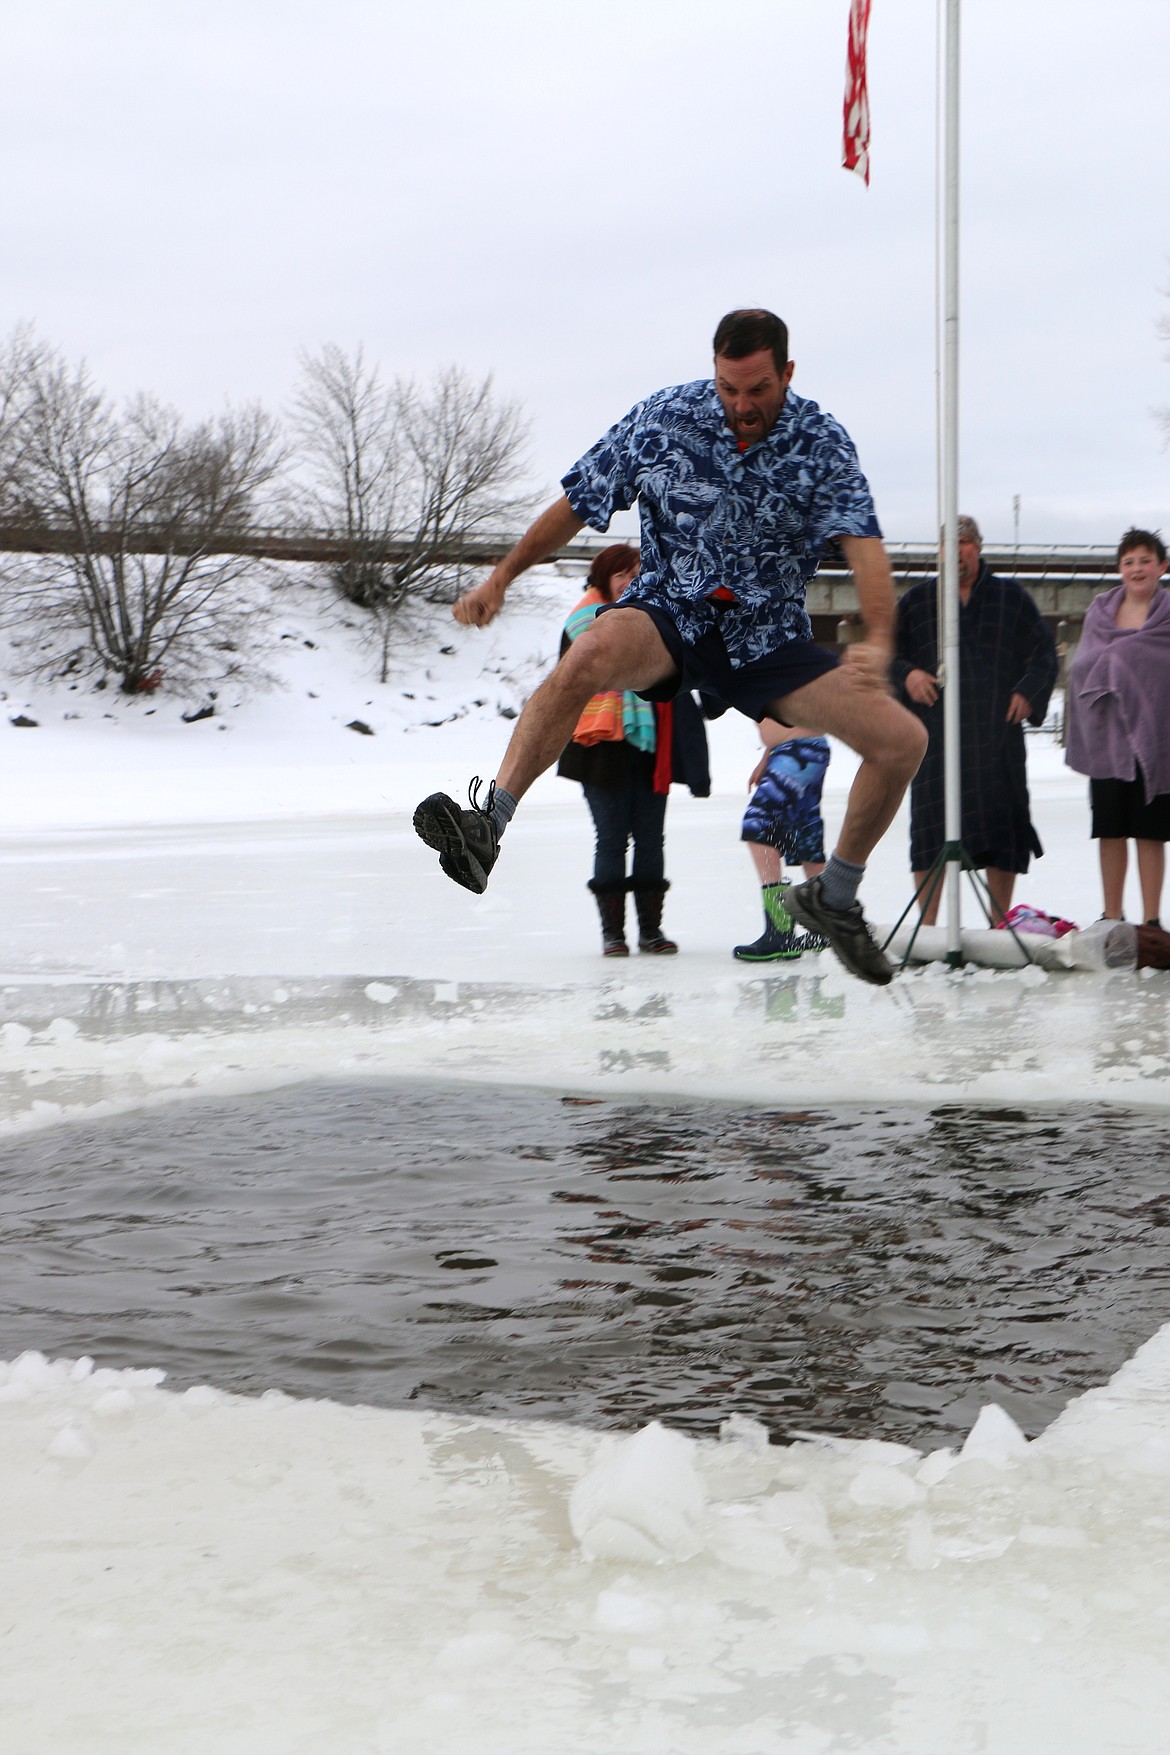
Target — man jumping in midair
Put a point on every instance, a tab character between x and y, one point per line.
740	484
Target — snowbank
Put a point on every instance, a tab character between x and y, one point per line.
271	1575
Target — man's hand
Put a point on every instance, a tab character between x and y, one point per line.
869	660
556	526
1018	709
758	772
922	687
483	603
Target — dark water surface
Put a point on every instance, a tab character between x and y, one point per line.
872	1272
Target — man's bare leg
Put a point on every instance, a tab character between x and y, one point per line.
854	705
621	650
1000	883
1002	886
890	741
930	910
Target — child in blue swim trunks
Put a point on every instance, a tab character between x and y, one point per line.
783	822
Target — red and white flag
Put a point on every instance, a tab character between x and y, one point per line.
856	93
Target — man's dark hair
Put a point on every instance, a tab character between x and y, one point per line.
1142	539
744	332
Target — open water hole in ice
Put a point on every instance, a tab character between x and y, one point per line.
509	1252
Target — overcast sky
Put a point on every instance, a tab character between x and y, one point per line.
569	197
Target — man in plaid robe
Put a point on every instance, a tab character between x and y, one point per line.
1008	666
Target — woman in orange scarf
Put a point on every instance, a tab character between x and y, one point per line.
621	755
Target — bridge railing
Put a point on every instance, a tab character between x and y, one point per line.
1063	578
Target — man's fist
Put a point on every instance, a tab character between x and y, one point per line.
481	605
869	660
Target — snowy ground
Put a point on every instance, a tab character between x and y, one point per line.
239	902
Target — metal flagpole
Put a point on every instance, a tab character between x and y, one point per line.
954	859
949	604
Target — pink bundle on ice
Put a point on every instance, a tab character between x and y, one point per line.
1025	919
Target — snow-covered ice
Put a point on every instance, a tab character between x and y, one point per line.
239	903
328	942
199	1572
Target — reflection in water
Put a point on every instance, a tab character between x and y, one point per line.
623	1060
656	1005
1139	1040
240	1002
995	1021
869	1272
795	998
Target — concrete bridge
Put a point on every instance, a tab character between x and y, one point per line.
1062	579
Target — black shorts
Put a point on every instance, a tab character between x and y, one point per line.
1120	811
751	688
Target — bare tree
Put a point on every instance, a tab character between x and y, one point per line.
21	357
405	477
138	514
345	420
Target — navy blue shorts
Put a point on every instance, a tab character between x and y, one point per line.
753	688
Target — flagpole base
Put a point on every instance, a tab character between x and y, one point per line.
951	853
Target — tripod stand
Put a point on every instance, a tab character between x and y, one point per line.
951	853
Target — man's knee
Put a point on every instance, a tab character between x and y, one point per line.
913	739
615	653
894	738
587	666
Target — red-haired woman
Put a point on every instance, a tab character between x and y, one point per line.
625	753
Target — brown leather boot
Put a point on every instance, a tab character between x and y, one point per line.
648	900
611	905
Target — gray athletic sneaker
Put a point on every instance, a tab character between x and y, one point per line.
465	840
845	930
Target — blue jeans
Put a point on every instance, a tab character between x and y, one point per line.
632	812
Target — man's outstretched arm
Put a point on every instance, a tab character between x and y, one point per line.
551	531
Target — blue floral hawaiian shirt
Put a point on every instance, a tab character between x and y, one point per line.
753	521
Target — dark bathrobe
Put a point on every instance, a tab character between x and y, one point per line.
1005	648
